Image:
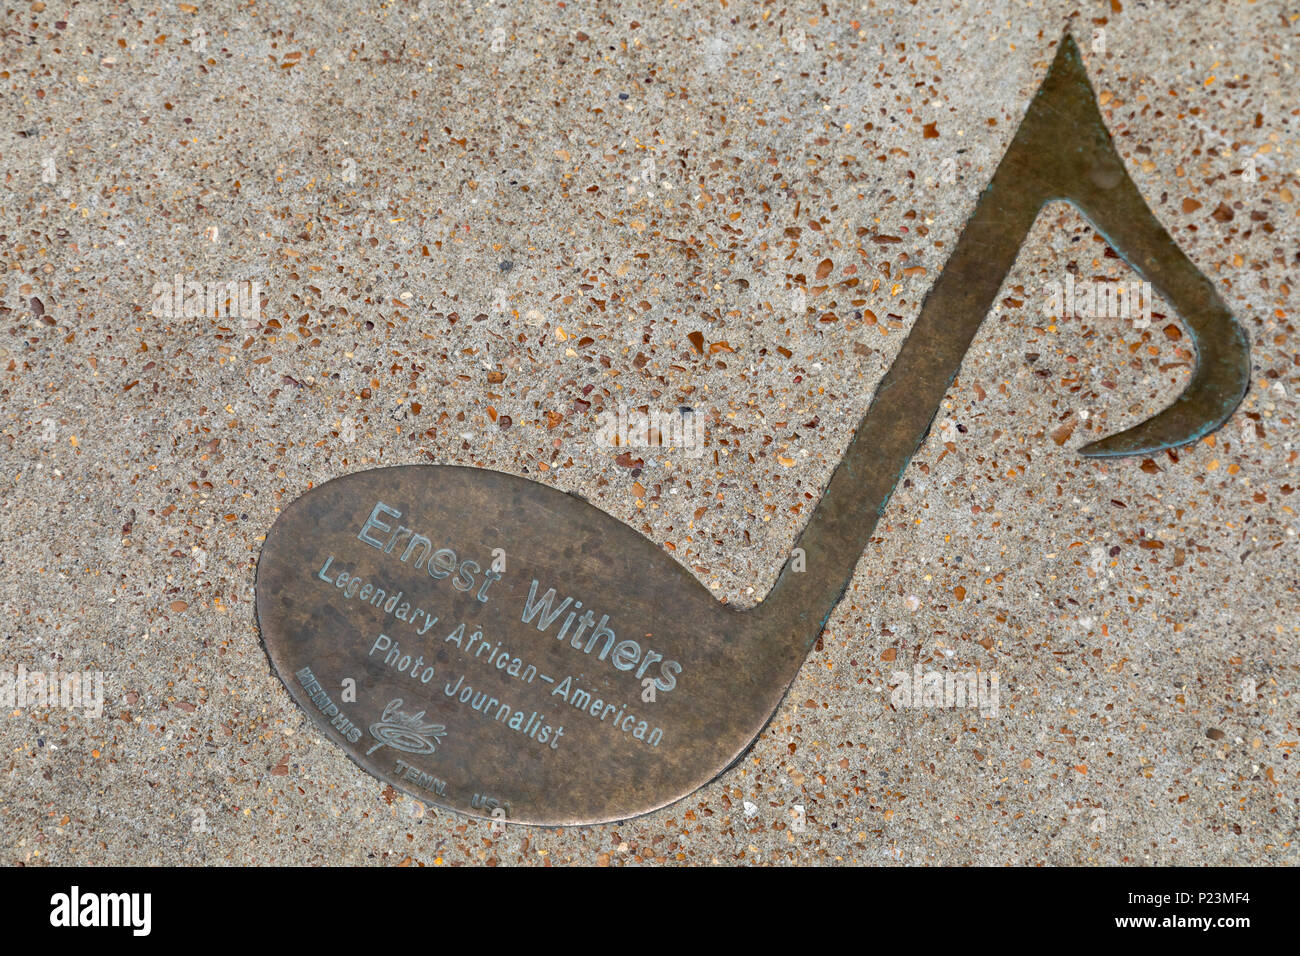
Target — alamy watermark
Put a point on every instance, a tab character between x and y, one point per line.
1099	300
75	909
936	689
630	428
189	299
71	690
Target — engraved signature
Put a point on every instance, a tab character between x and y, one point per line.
405	731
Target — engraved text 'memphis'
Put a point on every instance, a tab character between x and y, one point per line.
440	564
626	654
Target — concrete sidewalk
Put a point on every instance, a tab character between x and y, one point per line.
436	234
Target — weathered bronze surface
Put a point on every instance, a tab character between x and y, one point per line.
484	692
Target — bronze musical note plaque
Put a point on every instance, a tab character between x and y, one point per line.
500	648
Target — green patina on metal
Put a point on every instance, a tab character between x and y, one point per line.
593	678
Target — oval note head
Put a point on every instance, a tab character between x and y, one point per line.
588	677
